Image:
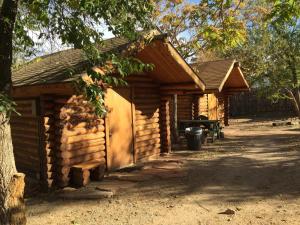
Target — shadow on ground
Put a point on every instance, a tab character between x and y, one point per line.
238	168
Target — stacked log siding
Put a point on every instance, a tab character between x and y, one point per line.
196	106
25	137
165	124
212	107
191	106
204	105
47	140
79	136
185	108
226	110
146	100
221	107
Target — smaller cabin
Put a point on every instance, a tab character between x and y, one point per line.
222	78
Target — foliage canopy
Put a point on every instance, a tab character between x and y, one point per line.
202	26
79	24
271	54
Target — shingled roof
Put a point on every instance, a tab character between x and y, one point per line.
216	74
58	67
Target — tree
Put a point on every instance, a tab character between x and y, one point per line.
271	54
283	73
195	28
72	22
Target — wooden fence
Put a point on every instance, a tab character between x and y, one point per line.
250	103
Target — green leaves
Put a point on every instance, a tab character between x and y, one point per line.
79	23
271	55
284	11
204	26
129	65
7	105
113	73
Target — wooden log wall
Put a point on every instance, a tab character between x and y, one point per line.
196	106
174	119
204	105
221	107
209	105
79	136
185	107
191	106
47	138
226	110
165	124
146	117
25	137
212	107
185	111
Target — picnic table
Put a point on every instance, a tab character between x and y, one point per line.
212	127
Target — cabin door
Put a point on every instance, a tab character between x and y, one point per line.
120	130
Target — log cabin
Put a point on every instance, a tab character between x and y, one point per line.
58	131
222	78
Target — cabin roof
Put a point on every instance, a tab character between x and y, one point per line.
63	66
221	75
59	66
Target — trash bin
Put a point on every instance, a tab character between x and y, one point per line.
194	137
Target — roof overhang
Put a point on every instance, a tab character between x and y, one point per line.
234	80
170	69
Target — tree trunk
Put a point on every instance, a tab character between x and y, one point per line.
295	97
11	182
8	13
296	94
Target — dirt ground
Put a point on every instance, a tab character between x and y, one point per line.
253	174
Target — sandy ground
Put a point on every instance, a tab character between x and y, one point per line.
254	172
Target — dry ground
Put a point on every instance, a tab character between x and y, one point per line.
254	171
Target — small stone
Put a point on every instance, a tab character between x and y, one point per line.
238	208
228	212
69	189
105	190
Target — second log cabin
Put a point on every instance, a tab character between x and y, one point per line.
222	78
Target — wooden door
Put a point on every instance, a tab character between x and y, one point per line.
120	147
